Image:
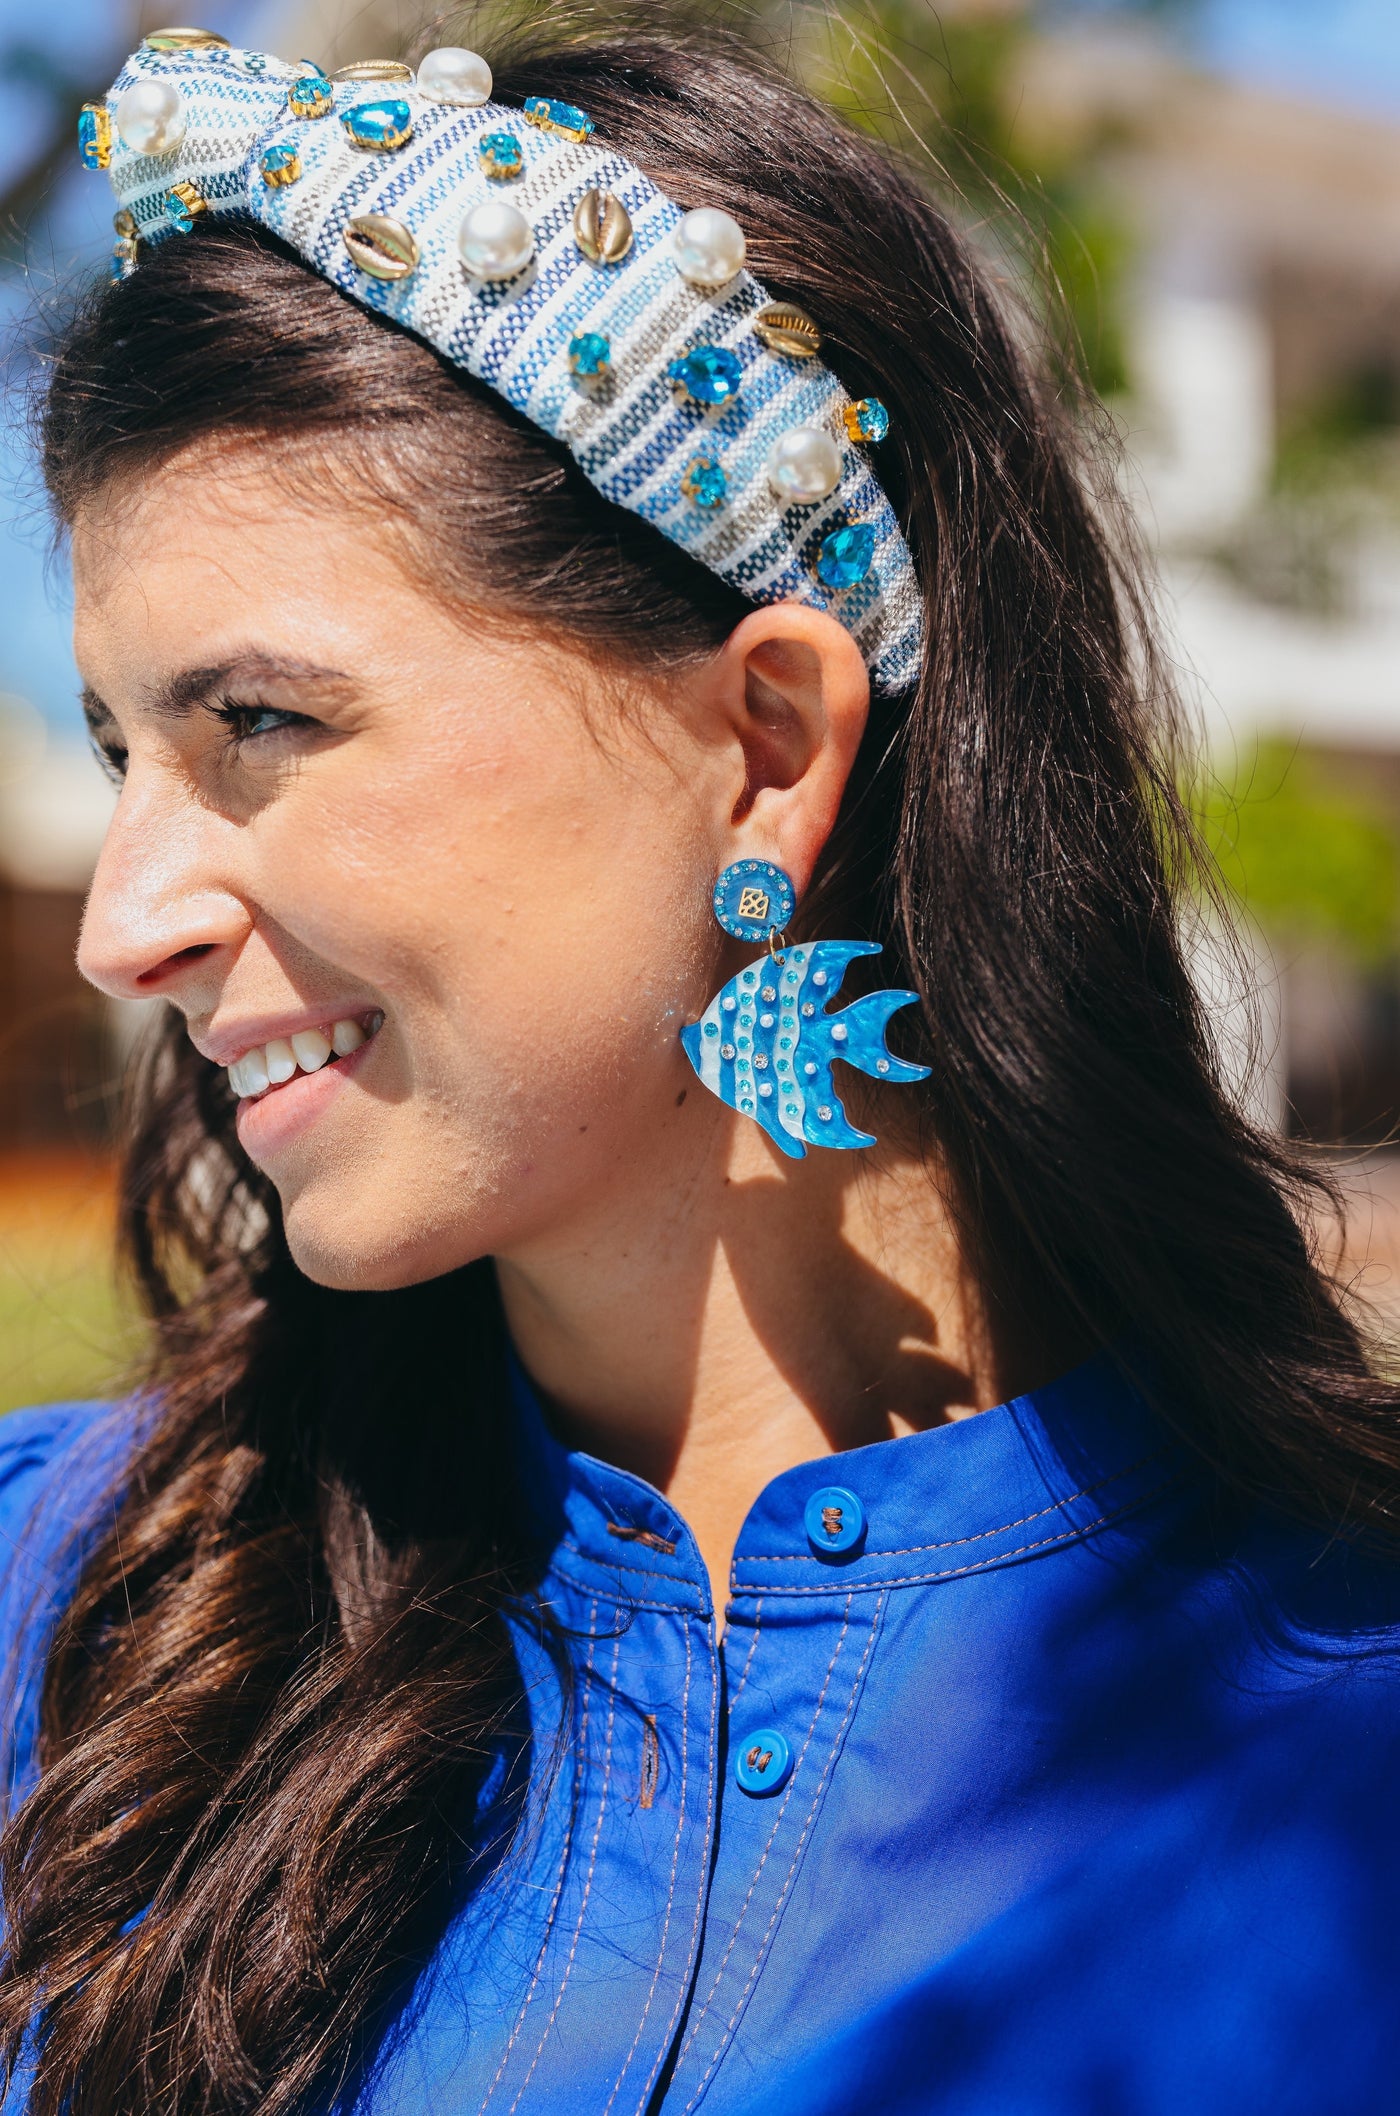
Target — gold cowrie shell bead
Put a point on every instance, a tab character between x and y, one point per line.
384	248
185	40
602	227
785	328
374	70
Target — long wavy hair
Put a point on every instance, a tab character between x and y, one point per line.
267	1710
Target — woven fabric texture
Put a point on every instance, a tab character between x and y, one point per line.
629	434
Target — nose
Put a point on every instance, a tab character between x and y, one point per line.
162	917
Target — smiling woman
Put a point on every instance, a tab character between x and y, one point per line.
583	1547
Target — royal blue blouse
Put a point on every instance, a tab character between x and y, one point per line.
1027	1779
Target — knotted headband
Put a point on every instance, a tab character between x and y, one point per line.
532	254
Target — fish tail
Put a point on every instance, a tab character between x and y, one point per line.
866	1021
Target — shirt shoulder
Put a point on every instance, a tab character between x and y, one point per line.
61	1472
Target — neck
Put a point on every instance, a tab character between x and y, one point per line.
711	1328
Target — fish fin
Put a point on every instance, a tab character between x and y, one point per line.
835	958
793	1148
690	1042
866	1021
839	1132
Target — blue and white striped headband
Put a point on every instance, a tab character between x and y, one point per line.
544	263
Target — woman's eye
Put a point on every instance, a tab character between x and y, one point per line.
246	722
112	758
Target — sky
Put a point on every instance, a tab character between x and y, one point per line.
1344	51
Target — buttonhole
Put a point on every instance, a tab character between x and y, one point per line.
651	1759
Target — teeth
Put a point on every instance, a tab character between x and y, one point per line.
271	1064
280	1060
312	1049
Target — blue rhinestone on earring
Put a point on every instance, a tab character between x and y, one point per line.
765	1044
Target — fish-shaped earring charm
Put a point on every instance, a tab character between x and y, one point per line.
766	1045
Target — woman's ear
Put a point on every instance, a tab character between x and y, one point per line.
791	695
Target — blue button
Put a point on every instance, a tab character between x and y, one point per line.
835	1521
764	1762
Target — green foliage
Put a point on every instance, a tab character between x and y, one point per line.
952	79
1308	857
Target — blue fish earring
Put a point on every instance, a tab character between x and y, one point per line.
766	1045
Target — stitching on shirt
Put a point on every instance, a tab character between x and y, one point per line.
705	2004
670	1895
1002	1557
913	1550
588	1880
761	1954
748	1663
563	1870
626	1599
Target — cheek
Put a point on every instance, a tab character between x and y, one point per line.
533	915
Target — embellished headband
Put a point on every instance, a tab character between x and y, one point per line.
539	259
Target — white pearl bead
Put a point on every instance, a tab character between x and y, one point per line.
452	74
805	466
709	246
495	241
151	117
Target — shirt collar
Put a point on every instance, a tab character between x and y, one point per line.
1009	1484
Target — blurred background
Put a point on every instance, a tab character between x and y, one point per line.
1202	200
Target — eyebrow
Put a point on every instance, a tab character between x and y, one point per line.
181	693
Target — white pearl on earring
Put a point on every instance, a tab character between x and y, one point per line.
452	74
495	241
709	247
151	117
805	466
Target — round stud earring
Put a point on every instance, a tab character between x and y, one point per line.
754	898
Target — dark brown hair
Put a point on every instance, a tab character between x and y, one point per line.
267	1710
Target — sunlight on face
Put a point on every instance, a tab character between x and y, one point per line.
343	804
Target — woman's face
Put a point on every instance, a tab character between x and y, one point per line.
344	804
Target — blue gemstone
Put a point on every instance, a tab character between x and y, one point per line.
553	116
867	420
589	353
94	137
709	374
178	213
380	126
310	95
704	482
846	557
501	155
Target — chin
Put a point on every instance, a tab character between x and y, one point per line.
383	1255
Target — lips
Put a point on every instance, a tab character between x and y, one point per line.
273	1064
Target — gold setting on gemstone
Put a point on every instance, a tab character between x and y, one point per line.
185	40
309	96
384	248
279	166
184	202
789	330
374	70
95	136
124	221
602	227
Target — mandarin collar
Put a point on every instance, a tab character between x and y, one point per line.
1020	1481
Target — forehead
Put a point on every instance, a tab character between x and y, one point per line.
183	559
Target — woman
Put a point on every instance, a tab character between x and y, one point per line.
605	1602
